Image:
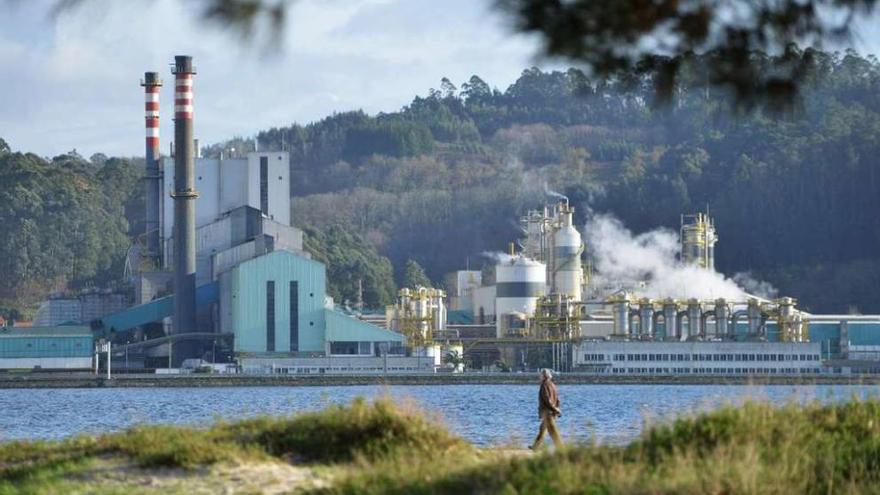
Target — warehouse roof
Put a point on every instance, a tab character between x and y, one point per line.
343	328
59	331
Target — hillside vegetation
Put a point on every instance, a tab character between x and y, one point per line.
377	448
796	196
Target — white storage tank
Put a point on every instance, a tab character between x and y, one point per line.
568	276
519	283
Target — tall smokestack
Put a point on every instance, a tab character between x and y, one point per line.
151	84
184	195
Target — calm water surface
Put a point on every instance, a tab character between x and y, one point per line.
484	414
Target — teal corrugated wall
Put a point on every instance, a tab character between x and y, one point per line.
864	333
247	296
34	347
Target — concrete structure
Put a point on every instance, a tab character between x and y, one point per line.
80	309
697	358
261	180
57	311
46	348
184	195
460	286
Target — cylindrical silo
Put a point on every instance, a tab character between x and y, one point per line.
567	248
518	285
670	319
620	314
695	315
755	318
646	317
722	318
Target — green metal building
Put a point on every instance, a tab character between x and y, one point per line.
275	306
63	347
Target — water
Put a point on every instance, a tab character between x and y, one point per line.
483	414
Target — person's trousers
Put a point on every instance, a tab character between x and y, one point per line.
548	424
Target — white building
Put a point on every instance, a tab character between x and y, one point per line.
697	358
261	181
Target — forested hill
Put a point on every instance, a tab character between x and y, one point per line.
795	194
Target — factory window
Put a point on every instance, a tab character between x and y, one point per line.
365	348
270	316
264	184
294	316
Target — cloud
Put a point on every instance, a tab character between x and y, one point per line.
73	83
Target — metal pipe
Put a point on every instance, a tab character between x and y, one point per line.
184	195
152	176
704	320
734	318
670	319
633	312
695	312
721	318
646	317
679	330
755	317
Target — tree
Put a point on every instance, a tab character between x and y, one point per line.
352	265
4	147
615	38
414	275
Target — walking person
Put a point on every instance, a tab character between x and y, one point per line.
548	410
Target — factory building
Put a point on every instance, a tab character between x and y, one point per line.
227	262
543	296
65	347
82	308
697	358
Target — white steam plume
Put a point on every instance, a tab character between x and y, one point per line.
553	194
623	259
498	257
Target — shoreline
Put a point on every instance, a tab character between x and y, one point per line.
192	380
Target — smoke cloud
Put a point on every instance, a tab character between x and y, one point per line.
647	265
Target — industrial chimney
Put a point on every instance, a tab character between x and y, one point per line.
184	195
151	84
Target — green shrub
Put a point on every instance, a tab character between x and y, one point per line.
342	433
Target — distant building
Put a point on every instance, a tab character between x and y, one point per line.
80	309
67	347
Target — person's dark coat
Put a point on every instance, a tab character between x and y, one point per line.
548	398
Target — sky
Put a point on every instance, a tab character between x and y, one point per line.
72	81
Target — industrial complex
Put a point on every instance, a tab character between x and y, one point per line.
219	275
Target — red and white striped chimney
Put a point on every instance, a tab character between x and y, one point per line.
152	84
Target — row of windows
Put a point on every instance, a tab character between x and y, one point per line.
704	357
317	371
714	371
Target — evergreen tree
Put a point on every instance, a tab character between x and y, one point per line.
414	275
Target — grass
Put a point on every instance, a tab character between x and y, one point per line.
380	448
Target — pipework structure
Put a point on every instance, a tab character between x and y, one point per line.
153	179
717	319
184	195
418	314
698	238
